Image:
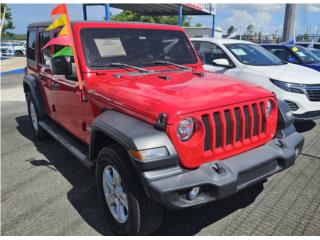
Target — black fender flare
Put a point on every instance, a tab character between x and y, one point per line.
285	125
133	134
31	82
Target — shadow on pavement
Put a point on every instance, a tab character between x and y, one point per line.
83	196
304	126
191	221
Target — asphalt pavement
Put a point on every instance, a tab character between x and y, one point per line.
46	191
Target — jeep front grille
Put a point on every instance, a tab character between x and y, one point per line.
227	125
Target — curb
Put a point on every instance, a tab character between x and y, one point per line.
15	71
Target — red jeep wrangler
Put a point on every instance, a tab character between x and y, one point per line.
160	132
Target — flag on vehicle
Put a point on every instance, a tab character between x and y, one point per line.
66	51
60	21
60	40
65	37
60	9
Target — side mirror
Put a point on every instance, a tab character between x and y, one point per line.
60	66
221	62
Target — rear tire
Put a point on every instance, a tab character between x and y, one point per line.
35	118
142	216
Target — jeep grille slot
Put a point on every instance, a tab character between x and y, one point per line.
234	126
255	120
207	138
228	127
238	124
247	121
263	116
217	123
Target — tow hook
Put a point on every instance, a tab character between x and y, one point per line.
217	168
280	143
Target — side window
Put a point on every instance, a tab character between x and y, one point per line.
45	53
211	52
283	54
31	45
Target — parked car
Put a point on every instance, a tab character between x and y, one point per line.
13	49
295	54
316	45
296	85
160	132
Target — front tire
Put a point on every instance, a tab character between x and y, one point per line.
18	53
35	118
128	210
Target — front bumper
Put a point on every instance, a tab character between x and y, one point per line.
169	186
301	107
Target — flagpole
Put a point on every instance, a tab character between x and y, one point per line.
75	56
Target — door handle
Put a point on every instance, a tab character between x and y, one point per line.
55	86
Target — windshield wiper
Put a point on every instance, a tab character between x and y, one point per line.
171	63
124	65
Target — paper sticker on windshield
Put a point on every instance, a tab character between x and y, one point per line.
301	54
110	47
295	49
238	52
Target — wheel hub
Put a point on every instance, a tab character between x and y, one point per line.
34	117
115	194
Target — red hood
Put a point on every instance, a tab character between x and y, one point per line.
184	92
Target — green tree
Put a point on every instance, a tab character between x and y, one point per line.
230	30
198	24
7	24
250	30
129	16
306	37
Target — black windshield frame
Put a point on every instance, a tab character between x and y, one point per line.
88	35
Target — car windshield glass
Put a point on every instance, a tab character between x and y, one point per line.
251	54
316	52
137	47
305	55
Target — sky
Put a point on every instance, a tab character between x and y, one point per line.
266	18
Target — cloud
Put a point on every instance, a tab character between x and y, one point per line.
262	21
271	8
313	7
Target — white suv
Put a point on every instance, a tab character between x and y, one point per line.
298	86
13	49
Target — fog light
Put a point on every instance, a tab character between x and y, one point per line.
193	193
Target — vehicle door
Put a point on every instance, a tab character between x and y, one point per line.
45	74
72	113
209	52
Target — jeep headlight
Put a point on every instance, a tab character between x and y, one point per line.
289	87
185	129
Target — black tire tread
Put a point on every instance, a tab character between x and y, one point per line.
149	214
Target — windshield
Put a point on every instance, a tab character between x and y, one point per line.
139	47
305	55
316	52
251	54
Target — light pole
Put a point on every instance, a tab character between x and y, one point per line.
289	22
